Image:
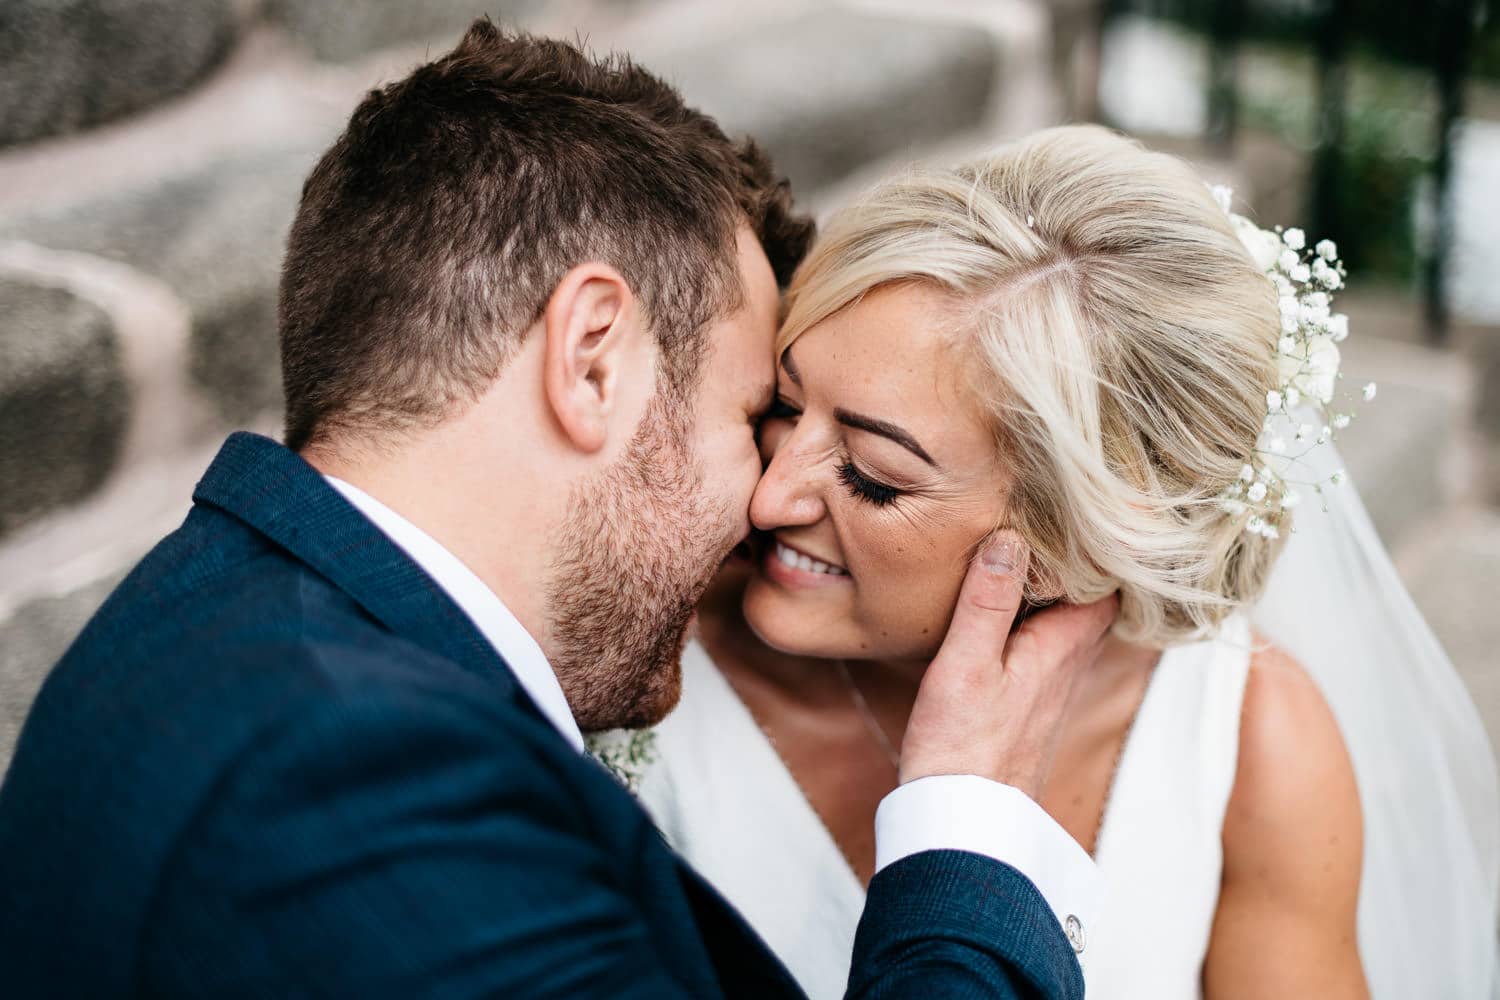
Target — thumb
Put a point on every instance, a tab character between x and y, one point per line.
987	604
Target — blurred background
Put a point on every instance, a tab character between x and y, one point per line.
152	151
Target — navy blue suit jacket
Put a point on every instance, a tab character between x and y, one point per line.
280	762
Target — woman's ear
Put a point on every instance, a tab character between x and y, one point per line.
593	351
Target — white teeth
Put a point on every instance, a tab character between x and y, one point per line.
807	564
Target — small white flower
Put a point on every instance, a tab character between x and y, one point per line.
1301	272
1331	279
1312	369
1294	238
1314	312
1270	533
1340	421
1247	474
1273	400
1369	391
1338	327
1288	345
1327	249
1257	492
1288	261
1337	478
1234	508
1254	525
1030	222
1290	500
1293	397
1224	196
1262	246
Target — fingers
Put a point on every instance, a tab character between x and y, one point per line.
987	604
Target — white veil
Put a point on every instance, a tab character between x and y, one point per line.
1425	769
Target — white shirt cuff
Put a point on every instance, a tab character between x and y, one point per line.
964	812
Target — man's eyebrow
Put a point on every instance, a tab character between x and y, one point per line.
790	367
885	430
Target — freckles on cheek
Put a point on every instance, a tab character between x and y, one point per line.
906	589
913	569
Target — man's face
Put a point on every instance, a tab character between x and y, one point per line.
642	541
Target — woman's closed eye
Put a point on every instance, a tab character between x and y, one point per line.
862	487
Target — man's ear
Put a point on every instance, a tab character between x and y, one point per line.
593	349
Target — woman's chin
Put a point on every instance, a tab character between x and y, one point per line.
783	621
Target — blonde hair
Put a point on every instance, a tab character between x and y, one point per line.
1121	340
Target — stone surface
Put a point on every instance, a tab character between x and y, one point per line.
1454	575
64	402
215	235
1406	449
349	28
827	92
31	641
1394	452
68	66
1484	349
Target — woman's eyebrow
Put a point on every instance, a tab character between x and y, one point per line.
884	429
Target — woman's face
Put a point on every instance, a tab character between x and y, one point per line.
882	478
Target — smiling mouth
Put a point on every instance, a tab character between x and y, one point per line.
790	557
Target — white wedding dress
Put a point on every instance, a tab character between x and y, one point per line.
723	798
1424	766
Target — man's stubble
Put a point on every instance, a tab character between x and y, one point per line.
638	547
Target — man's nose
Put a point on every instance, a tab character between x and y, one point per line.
787	493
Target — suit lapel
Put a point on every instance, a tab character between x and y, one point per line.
275	491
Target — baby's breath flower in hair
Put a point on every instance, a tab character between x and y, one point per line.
1307	363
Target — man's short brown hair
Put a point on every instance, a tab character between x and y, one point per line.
432	233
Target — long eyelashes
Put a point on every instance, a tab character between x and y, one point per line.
859	485
862	487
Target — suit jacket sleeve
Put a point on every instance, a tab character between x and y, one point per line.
952	925
406	843
397	844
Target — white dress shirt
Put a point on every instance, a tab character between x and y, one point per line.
946	812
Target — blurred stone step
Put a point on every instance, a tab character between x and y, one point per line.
828	91
350	28
64	398
73	65
1410	450
1451	566
214	235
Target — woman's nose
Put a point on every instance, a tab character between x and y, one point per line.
787	493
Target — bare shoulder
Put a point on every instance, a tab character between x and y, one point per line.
1294	812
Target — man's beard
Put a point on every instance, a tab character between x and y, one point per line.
638	547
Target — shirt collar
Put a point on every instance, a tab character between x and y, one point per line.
489	614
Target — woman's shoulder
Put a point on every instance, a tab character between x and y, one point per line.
1294	802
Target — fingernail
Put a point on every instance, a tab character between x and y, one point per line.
1004	555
